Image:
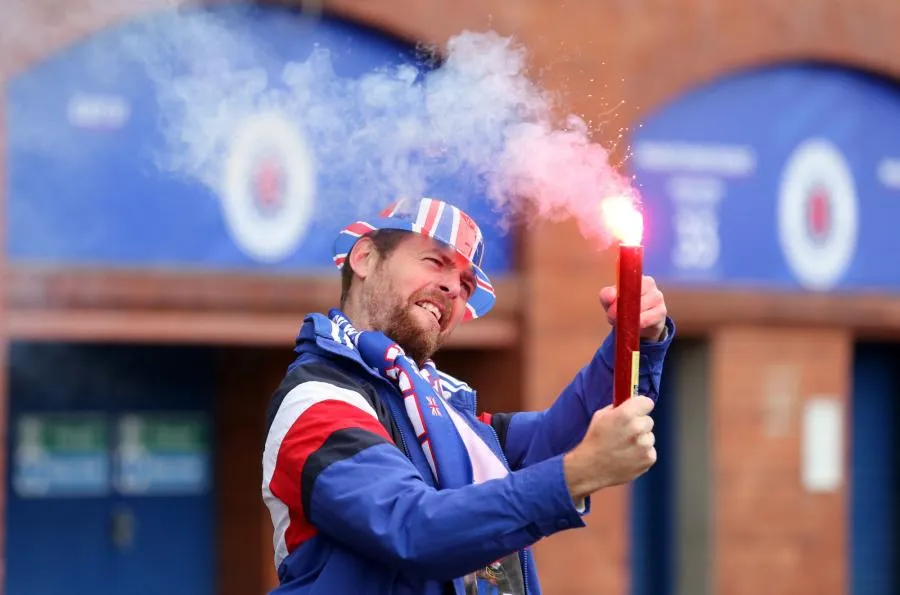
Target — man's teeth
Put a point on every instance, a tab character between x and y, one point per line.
431	308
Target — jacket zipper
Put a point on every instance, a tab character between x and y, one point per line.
392	406
523	559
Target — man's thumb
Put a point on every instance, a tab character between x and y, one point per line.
601	413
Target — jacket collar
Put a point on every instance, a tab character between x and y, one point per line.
321	336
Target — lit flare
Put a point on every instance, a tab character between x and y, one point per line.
623	220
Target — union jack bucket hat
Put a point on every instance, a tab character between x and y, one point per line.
435	219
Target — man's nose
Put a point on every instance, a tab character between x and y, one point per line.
451	285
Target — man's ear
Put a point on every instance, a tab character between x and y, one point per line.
363	257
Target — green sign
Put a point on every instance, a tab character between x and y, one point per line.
61	455
163	454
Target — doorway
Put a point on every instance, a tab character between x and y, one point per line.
670	549
874	476
110	484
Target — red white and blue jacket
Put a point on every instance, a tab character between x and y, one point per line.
353	501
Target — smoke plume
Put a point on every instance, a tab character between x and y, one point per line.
474	120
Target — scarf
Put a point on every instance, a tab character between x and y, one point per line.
422	398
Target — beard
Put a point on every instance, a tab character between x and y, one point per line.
395	316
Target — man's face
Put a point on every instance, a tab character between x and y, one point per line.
417	295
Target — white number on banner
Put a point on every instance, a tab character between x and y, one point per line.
696	238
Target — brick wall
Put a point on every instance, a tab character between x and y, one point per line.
769	532
245	557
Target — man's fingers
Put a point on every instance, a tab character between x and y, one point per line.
654	299
604	410
607	297
611	313
653	305
639	405
601	413
647	439
641	425
648	284
653	317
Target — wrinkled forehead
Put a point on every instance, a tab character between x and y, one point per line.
420	243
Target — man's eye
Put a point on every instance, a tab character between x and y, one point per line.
434	260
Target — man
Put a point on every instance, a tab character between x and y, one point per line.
379	475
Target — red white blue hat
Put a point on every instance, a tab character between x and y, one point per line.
435	219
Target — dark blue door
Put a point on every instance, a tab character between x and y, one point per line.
874	470
57	545
109	477
670	522
653	499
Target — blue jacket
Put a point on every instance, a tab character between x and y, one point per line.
353	500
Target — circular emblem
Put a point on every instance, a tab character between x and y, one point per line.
269	190
817	214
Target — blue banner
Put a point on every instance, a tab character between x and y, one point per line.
783	178
108	160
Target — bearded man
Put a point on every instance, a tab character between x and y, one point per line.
380	475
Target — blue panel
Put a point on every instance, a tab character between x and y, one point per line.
58	547
173	552
64	544
89	126
874	472
743	185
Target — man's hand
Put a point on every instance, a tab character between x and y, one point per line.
653	308
617	448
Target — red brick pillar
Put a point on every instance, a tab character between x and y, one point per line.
770	533
564	325
247	378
